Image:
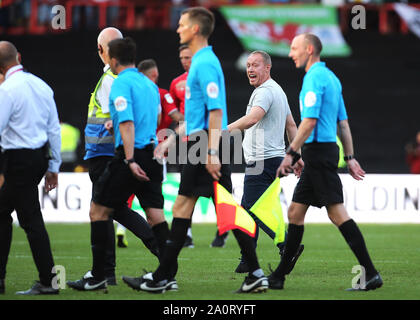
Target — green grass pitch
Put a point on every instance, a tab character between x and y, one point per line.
323	272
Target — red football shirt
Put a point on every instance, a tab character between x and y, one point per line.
177	90
168	106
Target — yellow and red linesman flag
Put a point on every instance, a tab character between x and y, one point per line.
268	210
231	215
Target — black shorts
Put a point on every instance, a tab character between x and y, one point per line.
195	179
319	184
97	166
117	182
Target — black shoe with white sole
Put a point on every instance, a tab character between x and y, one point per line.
133	282
253	284
219	240
89	284
110	280
146	283
172	285
373	283
37	289
188	242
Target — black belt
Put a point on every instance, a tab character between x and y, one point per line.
26	151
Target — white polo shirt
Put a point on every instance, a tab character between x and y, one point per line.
28	115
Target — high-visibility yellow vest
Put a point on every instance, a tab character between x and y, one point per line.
341	162
69	140
98	141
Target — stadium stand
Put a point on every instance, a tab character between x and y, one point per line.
380	77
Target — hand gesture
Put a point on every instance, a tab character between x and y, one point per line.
355	169
213	167
138	172
51	181
285	166
298	167
109	126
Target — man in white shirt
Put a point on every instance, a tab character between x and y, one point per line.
267	119
31	141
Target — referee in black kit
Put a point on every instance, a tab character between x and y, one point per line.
30	141
322	112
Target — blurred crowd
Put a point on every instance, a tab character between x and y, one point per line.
85	14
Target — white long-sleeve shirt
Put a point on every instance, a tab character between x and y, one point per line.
28	115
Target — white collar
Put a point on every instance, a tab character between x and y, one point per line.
106	68
12	70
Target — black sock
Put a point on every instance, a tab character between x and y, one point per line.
161	232
294	238
110	250
174	244
354	238
98	238
138	226
282	245
247	245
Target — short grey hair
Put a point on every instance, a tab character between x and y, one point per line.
266	57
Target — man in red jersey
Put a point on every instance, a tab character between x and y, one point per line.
177	88
170	112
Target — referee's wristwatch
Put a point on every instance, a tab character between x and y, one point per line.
349	157
295	155
128	161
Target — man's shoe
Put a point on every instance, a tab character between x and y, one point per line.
253	284
37	289
133	283
188	242
373	283
89	284
219	240
295	259
110	280
2	286
146	283
122	241
275	283
172	285
242	267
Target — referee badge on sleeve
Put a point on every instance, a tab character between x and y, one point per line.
310	99
168	98
120	103
213	90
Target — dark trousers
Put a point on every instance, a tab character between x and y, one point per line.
23	170
97	166
124	215
256	184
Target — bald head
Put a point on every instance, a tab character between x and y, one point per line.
8	55
305	50
106	36
314	41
